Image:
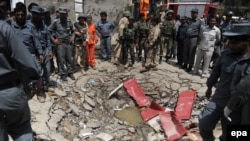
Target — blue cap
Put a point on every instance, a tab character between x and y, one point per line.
195	10
63	10
183	17
46	10
37	9
238	30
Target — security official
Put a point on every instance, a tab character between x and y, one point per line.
129	36
168	32
42	33
142	38
191	40
227	73
15	60
62	35
31	42
81	39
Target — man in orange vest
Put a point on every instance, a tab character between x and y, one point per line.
90	47
144	7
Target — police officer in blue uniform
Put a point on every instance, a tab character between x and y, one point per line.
42	33
228	71
191	40
15	60
62	35
31	42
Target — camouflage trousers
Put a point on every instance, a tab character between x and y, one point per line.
166	46
152	56
128	48
143	45
79	52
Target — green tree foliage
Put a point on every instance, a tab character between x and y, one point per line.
239	7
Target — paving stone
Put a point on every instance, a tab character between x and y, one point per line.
85	132
175	86
93	124
74	108
87	107
105	137
131	129
89	101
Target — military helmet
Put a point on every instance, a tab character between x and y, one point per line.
170	12
63	10
127	14
46	10
230	13
242	29
165	9
82	15
131	17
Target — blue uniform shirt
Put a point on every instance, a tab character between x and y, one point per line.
229	69
43	35
104	28
27	34
12	48
62	30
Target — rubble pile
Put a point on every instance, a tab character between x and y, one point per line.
82	110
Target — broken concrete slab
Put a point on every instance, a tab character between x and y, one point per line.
89	101
93	124
75	109
105	137
86	132
87	107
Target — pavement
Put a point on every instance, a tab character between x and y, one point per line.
79	110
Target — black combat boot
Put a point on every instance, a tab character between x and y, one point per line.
72	76
160	60
189	69
184	66
64	78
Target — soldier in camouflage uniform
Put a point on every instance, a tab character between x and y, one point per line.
167	34
81	37
129	36
142	41
121	25
153	51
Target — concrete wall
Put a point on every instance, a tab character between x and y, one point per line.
114	8
55	4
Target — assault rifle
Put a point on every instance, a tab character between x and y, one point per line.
78	27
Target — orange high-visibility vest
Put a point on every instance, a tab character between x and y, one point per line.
92	34
144	7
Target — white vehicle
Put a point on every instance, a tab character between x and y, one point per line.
183	8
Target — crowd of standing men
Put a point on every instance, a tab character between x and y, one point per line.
29	42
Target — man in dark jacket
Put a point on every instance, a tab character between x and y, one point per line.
14	110
228	69
240	99
180	37
240	95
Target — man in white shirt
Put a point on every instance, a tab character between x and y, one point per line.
209	36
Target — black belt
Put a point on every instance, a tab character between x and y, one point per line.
105	36
9	84
190	37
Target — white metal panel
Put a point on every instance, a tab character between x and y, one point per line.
185	10
193	0
13	3
78	7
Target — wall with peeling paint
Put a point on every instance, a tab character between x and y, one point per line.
114	8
